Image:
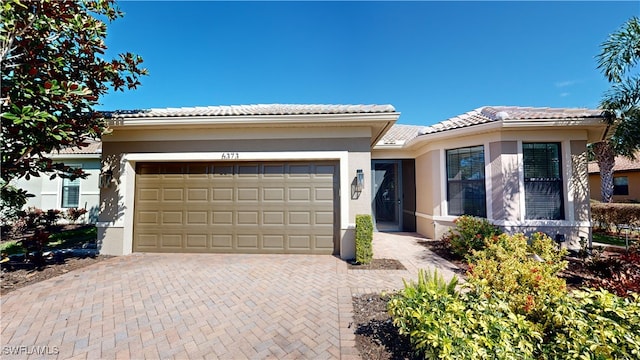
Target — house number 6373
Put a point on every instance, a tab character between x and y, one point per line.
230	156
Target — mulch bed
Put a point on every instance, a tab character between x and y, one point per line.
376	337
16	275
378	264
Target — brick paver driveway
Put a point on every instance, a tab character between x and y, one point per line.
192	305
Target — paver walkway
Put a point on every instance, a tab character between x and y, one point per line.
202	306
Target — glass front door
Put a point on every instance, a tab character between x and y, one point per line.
386	200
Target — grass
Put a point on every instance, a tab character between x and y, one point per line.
71	238
610	239
11	248
60	240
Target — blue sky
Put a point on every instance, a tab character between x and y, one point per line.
431	60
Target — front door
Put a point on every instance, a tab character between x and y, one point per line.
386	195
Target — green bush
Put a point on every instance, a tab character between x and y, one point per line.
516	307
364	239
610	216
524	273
445	324
469	234
594	324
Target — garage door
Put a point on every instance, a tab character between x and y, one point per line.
236	207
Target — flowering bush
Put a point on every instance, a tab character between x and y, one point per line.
73	214
469	234
516	307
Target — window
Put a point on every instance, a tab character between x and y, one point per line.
466	193
70	192
621	185
543	181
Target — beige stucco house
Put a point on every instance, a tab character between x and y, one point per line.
626	179
291	178
62	194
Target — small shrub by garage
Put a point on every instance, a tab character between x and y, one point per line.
364	239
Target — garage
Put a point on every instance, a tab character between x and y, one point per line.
236	207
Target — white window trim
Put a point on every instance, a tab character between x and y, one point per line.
567	176
60	186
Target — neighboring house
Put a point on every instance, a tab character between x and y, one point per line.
62	193
292	178
626	180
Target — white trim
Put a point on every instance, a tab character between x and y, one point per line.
444	207
488	184
95	156
523	207
424	216
546	223
127	178
260	120
567	164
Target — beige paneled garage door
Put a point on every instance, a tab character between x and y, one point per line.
236	207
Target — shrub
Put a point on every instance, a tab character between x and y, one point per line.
612	215
469	234
364	239
73	214
524	274
620	275
594	325
511	311
442	323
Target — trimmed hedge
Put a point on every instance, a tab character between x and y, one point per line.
613	215
364	239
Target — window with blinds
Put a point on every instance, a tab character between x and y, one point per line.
71	192
466	193
543	186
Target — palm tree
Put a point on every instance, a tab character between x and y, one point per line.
618	60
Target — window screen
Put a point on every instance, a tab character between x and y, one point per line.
466	193
70	193
543	181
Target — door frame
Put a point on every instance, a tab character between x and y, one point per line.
399	191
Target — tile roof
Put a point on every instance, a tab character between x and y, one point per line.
247	110
489	114
398	134
93	147
622	164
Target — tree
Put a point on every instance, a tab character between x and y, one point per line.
53	73
618	59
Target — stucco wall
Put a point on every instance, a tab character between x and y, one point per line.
634	186
503	172
114	206
48	193
428	191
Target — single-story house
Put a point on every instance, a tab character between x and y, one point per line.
63	194
626	179
292	178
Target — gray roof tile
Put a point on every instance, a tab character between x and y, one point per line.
489	114
93	147
400	133
253	110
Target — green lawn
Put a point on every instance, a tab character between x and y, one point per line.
611	239
61	240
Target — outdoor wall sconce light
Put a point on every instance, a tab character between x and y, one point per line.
105	178
359	180
357	184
